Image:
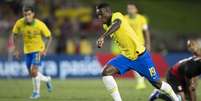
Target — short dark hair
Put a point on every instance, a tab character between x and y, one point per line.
26	8
140	9
103	5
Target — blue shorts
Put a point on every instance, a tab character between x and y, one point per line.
143	65
33	59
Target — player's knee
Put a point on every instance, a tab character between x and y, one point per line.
108	71
34	71
157	84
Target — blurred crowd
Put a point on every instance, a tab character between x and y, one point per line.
72	23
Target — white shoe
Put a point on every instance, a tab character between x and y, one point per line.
49	85
35	95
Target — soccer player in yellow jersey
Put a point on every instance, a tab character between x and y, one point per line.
139	24
133	56
32	30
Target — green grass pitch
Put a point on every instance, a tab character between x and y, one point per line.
74	90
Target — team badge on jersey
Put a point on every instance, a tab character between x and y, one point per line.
152	71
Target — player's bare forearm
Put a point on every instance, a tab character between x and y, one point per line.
182	95
192	89
147	39
48	43
115	25
193	95
14	40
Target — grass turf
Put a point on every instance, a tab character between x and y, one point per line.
74	90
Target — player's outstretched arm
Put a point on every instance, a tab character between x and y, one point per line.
14	39
192	89
147	39
47	43
182	95
115	26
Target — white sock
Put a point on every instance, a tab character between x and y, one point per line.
165	87
111	86
140	79
42	77
36	85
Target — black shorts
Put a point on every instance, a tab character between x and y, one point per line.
177	85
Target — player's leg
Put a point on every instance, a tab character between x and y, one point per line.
36	82
32	72
47	80
110	83
166	88
116	65
175	84
140	81
154	79
145	66
35	64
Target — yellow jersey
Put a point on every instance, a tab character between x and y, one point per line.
126	38
32	34
138	23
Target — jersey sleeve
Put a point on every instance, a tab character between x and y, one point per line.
144	23
45	31
116	16
16	28
105	27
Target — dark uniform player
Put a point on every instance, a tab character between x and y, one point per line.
182	76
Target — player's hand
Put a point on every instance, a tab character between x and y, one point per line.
43	53
193	83
148	48
100	41
16	53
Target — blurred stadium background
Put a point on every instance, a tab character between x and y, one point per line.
74	54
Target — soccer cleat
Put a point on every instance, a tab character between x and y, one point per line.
49	85
35	95
155	94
